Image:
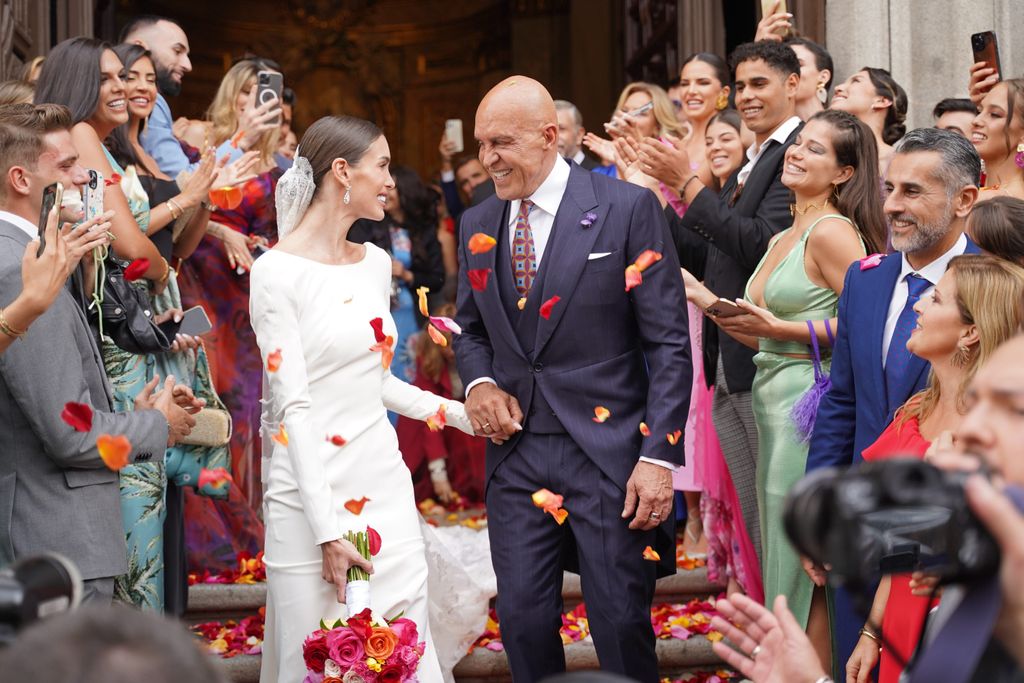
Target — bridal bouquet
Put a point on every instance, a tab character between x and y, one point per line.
363	650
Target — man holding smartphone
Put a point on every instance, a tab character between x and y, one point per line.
62	497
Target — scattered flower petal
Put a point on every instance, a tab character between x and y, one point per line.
387	353
281	437
227	198
478	278
633	277
521	304
378	329
481	243
644	429
436	336
545	308
274	361
114	450
236	139
136	269
445	324
421	292
337	440
437	421
601	414
551	503
114	179
646	259
217	478
673	438
560	515
373	539
651	554
356	506
78	416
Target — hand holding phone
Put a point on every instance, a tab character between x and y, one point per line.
723	308
453	132
986	49
269	85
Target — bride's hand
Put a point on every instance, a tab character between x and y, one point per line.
339	555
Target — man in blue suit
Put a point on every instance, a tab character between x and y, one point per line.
549	335
931	186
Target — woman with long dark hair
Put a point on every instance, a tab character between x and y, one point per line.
790	306
874	97
408	233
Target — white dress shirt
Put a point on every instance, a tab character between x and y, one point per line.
579	156
546	199
779	135
14	219
932	273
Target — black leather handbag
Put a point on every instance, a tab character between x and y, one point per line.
127	313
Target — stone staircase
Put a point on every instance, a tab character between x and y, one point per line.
676	657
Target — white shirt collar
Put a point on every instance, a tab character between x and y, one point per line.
579	157
26	226
779	135
934	271
549	195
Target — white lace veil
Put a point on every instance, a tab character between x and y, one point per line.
294	192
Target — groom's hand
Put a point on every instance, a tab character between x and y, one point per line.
649	493
493	413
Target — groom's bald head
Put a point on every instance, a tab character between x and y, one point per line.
517	128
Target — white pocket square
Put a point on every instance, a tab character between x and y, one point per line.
597	254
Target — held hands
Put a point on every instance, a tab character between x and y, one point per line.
493	413
648	493
338	556
179	422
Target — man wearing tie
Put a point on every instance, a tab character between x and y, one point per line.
548	326
931	186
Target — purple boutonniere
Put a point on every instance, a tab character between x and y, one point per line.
869	262
588	219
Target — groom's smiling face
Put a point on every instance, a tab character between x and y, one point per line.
517	130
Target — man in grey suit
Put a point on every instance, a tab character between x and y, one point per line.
56	493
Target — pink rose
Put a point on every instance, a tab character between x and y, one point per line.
406	631
313	677
410	660
345	647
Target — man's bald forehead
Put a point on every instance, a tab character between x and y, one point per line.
521	93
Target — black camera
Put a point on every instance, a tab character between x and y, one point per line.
34	588
889	517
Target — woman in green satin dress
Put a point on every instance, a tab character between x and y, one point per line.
832	169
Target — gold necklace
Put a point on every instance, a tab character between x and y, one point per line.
795	209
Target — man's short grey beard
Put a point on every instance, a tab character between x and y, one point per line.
926	236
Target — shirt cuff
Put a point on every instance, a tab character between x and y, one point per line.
479	380
447	176
654	461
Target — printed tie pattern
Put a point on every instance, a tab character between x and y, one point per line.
524	255
897	356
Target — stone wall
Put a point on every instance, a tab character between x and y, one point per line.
924	43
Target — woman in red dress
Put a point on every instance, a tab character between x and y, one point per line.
974	308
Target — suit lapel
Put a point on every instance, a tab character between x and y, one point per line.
566	252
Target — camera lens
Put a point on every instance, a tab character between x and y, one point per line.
807	512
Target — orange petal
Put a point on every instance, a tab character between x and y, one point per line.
421	292
236	139
226	197
673	438
281	437
545	308
651	554
521	304
480	243
601	414
337	439
274	361
644	429
114	450
436	422
633	277
546	499
559	514
436	336
356	506
217	477
648	257
387	354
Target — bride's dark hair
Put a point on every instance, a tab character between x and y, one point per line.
336	137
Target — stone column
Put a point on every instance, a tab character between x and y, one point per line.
924	43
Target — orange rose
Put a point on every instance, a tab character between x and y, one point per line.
381	643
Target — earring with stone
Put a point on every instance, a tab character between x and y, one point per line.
822	94
1019	158
348	195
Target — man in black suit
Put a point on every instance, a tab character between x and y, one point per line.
722	237
570	134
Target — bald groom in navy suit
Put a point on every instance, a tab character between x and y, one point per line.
536	370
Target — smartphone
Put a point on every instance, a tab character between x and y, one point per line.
453	132
194	323
52	196
766	7
723	308
986	50
643	109
92	195
269	85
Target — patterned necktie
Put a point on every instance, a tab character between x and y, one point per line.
524	255
897	356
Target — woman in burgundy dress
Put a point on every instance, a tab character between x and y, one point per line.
973	309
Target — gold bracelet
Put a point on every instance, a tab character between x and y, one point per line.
6	328
174	208
167	270
865	631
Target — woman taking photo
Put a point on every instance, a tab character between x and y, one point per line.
790	311
973	309
874	97
997	132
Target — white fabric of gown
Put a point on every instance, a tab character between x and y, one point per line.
330	383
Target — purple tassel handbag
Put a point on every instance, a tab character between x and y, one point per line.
805	410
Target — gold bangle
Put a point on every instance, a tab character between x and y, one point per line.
167	270
7	329
865	631
174	208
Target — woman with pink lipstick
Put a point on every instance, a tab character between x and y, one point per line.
997	132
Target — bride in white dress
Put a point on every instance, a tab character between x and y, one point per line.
312	299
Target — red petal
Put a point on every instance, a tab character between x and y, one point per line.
478	278
378	329
601	414
274	361
651	554
136	269
114	179
217	477
78	416
673	438
373	540
545	308
337	440
648	257
644	429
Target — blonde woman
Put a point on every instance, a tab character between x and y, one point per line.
216	276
